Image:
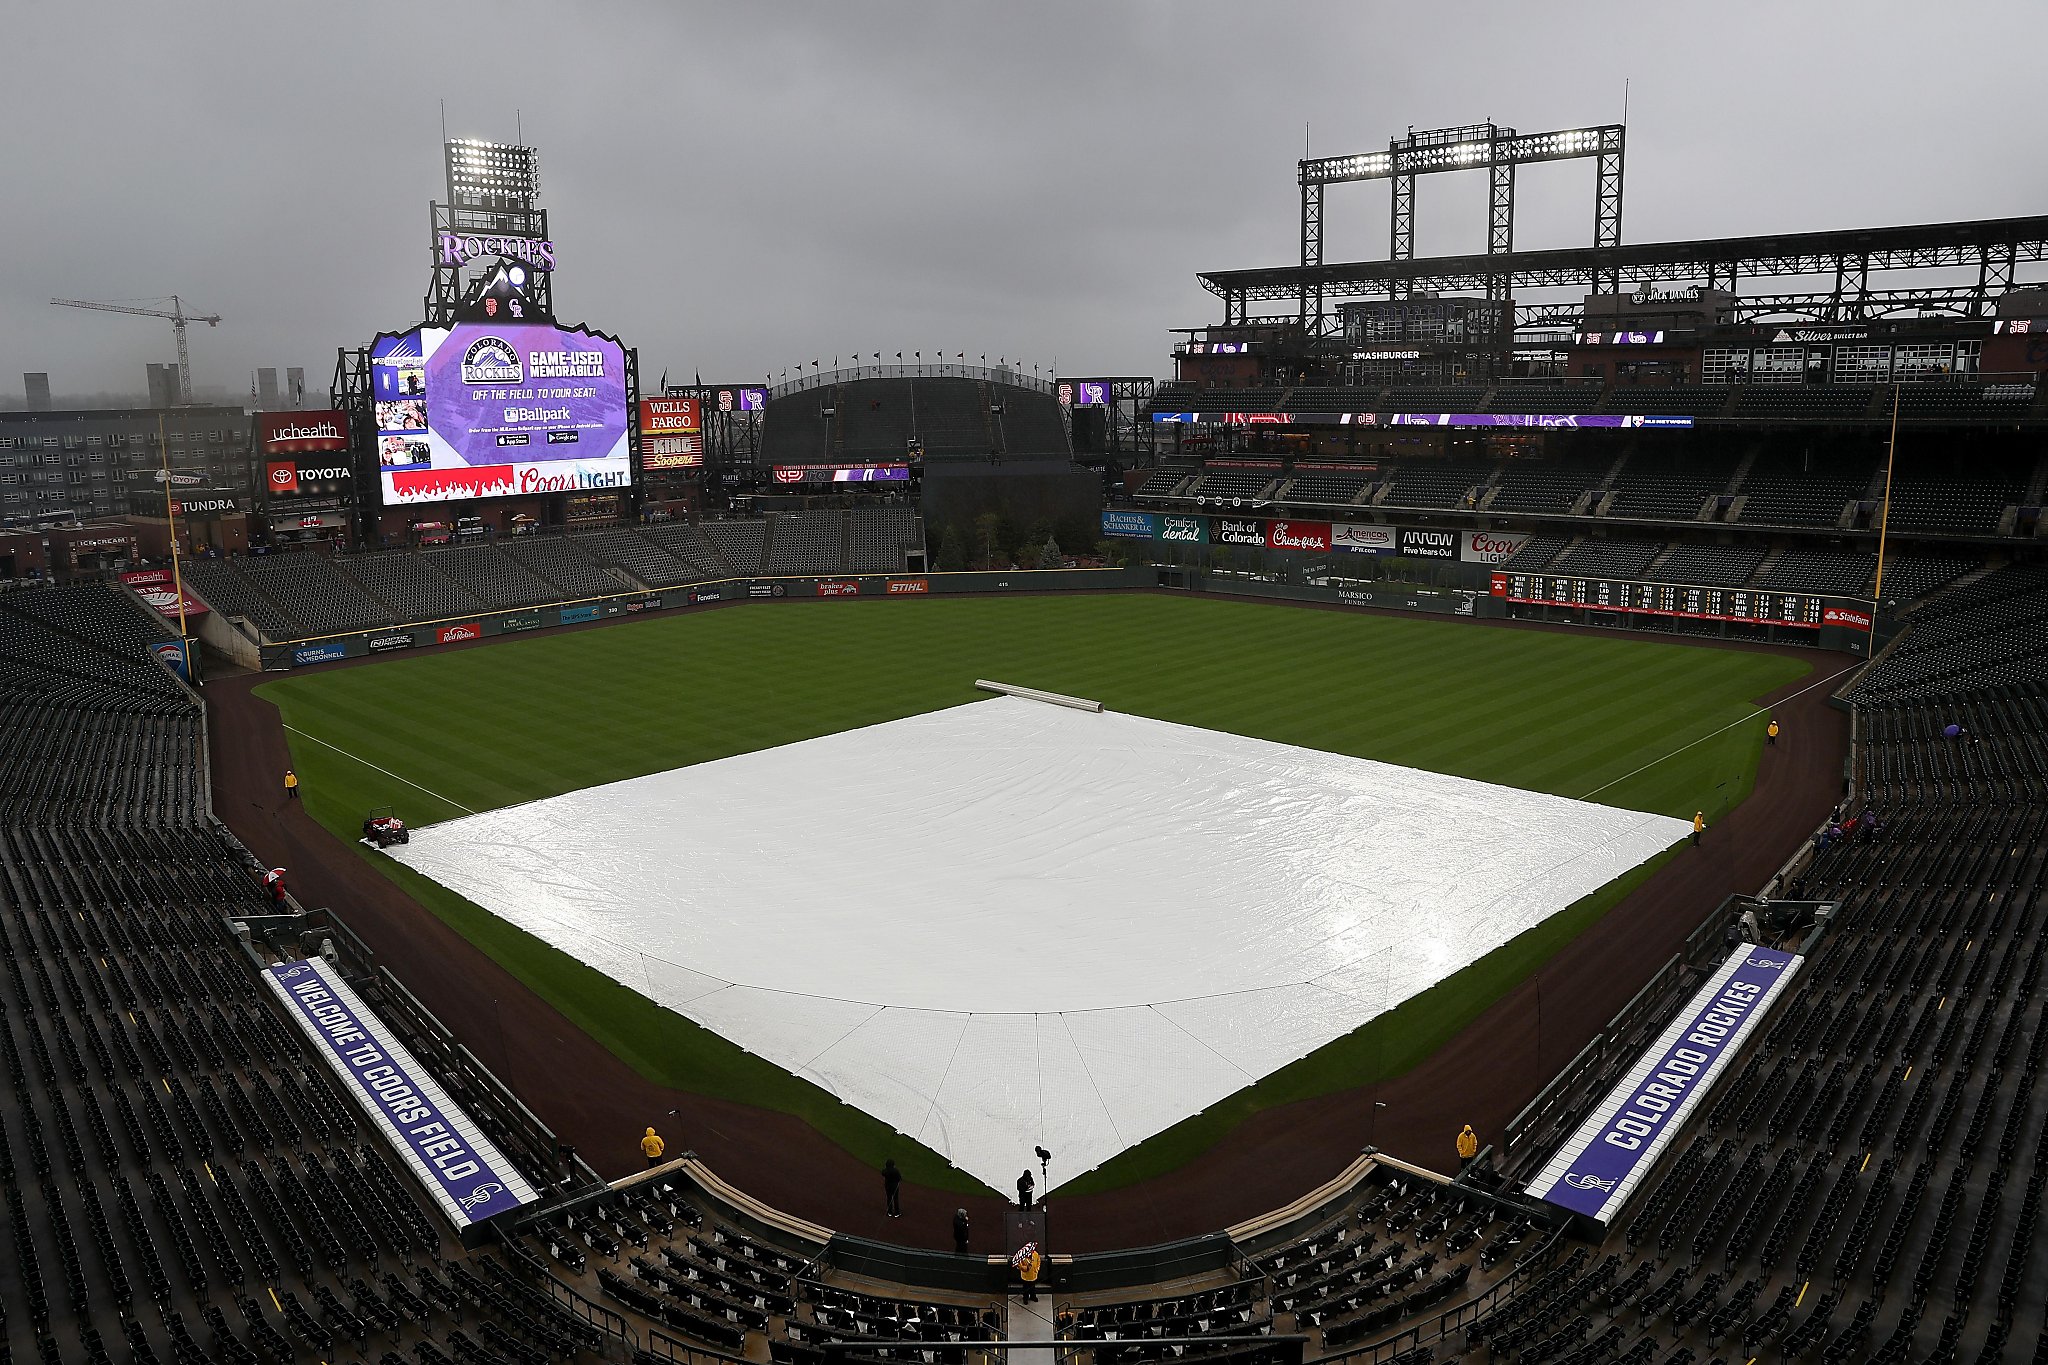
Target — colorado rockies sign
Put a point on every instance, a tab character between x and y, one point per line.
1595	1172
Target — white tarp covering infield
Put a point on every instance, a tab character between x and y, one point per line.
1010	923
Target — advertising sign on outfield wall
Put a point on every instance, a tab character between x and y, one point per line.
1491	547
1363	538
1138	525
1421	544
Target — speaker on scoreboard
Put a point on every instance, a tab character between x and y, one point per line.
1091	430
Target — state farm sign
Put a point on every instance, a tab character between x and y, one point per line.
1298	535
1844	616
468	630
1491	547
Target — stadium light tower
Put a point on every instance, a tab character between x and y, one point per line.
492	210
1475	146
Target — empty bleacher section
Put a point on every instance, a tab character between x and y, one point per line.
879	540
491	576
1844	573
1658	487
565	563
1440	398
221	584
180	1179
1671	400
1907	577
1803	401
318	598
1552	486
1973	505
1708	565
1983	634
1229	484
801	542
1607	558
1524	395
640	555
410	586
739	544
1536	554
877	418
1331	487
953	418
1435	483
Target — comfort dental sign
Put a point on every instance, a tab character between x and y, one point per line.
469	1177
1595	1172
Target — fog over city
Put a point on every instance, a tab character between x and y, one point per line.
740	190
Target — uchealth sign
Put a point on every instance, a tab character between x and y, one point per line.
1418	544
1599	1166
1363	538
301	433
1491	547
1298	535
154	586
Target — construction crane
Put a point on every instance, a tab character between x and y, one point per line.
178	316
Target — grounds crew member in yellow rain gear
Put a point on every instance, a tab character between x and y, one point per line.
1468	1146
1028	1263
291	785
1699	824
1771	732
653	1146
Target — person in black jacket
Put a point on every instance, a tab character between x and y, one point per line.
892	1182
1024	1184
960	1230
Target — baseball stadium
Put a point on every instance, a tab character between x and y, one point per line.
1499	813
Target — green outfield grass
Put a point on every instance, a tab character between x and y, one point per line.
1640	724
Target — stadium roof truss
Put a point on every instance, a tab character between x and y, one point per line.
1841	262
1479	146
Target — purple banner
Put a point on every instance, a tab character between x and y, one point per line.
1595	1171
470	1179
1422	419
1531	419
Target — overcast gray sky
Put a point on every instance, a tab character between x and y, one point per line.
739	188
